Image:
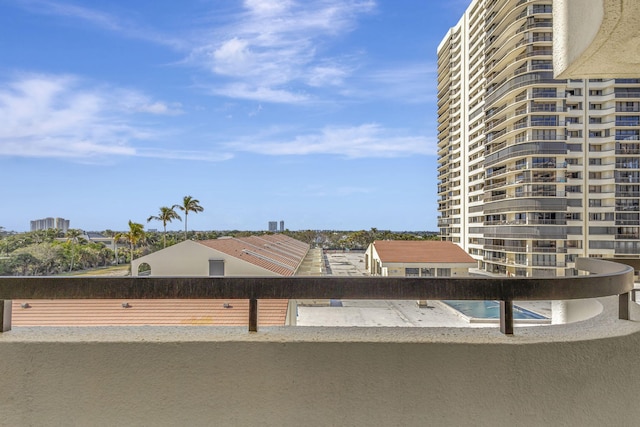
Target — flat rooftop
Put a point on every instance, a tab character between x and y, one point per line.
386	313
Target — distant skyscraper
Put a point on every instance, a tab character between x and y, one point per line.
281	226
47	223
532	171
273	226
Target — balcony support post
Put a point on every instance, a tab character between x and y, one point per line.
253	315
5	315
506	317
623	306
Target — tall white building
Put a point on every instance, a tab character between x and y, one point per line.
532	171
47	223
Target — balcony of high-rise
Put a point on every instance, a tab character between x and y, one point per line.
579	370
257	374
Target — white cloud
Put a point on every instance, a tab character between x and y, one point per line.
267	7
184	155
273	51
275	45
135	102
259	93
367	140
157	108
65	117
99	19
231	57
326	75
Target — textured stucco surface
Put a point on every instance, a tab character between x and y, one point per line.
578	374
596	38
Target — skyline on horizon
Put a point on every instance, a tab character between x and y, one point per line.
321	114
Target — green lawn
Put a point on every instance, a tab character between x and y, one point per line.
116	270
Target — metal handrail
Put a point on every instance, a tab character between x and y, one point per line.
607	278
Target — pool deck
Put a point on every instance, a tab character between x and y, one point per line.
389	313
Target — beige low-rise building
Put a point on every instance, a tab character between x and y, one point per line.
257	256
417	259
264	255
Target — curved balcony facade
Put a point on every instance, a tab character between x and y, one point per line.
548	146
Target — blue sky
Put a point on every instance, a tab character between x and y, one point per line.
319	113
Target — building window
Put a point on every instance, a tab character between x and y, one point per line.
595	189
538	106
543	162
444	272
627	176
412	272
627	134
573	189
627	204
544	134
627	120
570	257
216	267
543	260
427	272
544	121
541	8
573	175
544	92
627	163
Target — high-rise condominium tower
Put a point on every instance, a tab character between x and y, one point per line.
47	223
532	172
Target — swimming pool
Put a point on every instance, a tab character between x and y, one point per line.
490	310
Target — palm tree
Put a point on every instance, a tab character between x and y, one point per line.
165	215
189	204
73	236
133	236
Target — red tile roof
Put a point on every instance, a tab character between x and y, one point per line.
278	253
415	251
165	312
274	252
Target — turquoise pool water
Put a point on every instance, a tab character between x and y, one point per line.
489	310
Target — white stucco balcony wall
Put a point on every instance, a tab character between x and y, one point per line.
583	373
596	38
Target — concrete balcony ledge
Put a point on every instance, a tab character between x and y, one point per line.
582	373
603	325
596	38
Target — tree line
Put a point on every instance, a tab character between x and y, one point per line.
51	252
